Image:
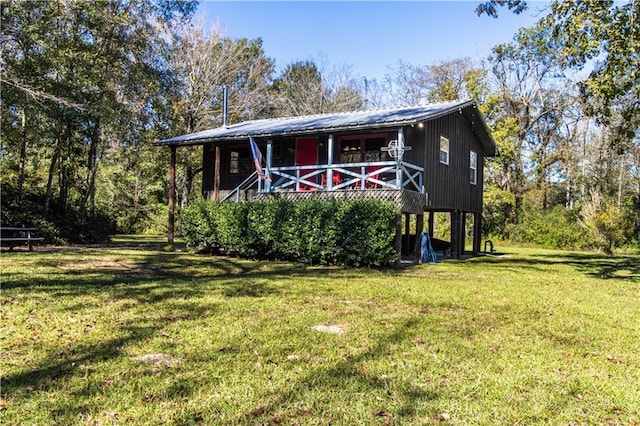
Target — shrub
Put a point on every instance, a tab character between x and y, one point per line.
556	228
359	233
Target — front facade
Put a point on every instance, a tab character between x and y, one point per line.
426	159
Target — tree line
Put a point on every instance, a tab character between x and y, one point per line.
87	87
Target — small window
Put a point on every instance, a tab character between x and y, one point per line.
444	150
240	162
473	167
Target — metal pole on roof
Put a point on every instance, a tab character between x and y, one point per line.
225	102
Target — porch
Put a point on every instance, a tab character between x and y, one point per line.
379	179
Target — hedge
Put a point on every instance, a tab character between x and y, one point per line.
354	233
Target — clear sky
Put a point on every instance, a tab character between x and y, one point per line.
369	36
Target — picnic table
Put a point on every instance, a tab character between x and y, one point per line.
18	234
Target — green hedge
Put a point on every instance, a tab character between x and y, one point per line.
356	233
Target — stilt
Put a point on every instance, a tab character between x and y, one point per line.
477	233
430	224
419	229
398	241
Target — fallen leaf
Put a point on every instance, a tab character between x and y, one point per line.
382	413
258	411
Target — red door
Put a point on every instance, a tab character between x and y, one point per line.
307	155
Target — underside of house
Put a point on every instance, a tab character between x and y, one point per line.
426	159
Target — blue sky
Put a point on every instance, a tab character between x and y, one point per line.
368	36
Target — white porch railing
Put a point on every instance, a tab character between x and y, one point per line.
325	177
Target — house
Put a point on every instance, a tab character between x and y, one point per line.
426	159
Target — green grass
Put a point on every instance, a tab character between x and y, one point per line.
531	337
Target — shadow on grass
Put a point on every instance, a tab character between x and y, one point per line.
351	369
620	267
170	286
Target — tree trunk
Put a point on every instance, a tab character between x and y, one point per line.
92	168
52	169
23	156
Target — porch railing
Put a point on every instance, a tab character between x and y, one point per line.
325	177
333	177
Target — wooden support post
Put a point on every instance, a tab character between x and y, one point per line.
463	232
430	224
407	233
455	233
419	229
398	241
477	233
216	175
172	194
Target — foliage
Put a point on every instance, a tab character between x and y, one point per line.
451	80
73	226
498	210
358	233
603	220
555	228
611	92
79	80
603	31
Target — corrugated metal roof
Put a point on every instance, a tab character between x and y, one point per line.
344	121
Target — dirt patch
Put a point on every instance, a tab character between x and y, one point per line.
158	360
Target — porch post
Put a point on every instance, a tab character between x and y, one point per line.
172	194
216	175
267	183
399	154
330	162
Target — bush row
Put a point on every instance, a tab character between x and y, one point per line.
356	233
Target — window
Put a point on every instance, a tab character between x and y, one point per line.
362	148
473	167
240	162
444	150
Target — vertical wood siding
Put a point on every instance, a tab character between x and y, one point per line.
448	186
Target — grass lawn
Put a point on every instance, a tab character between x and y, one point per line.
131	334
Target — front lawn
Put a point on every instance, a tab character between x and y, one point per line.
132	334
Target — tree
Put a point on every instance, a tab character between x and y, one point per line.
447	81
85	73
201	64
526	111
605	34
304	88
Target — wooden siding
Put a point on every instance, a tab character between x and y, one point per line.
448	187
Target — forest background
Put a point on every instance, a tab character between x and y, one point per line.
87	87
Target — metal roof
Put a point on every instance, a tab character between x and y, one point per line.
334	122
